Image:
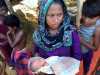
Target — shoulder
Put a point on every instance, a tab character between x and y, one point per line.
21	32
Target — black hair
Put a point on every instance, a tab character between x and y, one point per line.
2	3
91	1
63	5
12	21
91	9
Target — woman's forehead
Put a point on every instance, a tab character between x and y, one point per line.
55	5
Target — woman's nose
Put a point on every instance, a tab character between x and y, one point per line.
56	19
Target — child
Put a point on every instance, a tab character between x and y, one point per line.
17	40
54	65
90	16
94	68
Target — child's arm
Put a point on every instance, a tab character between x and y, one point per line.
86	44
16	40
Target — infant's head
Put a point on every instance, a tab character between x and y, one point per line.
36	63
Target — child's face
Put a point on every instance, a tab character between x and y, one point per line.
89	21
39	63
54	16
12	29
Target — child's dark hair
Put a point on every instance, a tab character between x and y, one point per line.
91	1
91	9
12	20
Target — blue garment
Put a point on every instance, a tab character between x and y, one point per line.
87	33
43	39
66	43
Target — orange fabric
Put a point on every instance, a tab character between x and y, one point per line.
81	70
95	59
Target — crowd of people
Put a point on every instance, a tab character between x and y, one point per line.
58	47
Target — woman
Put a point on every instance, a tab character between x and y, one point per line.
55	35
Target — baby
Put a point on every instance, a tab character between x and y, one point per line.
54	65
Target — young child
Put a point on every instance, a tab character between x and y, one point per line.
17	40
54	65
90	16
96	55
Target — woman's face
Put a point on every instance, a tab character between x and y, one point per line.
54	16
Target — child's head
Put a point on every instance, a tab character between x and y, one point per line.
36	63
90	13
12	21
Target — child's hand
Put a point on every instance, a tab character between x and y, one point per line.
81	39
9	32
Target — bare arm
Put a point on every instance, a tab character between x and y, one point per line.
16	40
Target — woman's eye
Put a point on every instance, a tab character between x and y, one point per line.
60	14
51	15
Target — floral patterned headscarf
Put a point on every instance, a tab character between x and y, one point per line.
41	37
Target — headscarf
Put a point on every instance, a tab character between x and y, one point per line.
42	38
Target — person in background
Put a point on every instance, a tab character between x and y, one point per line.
17	40
5	48
88	31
